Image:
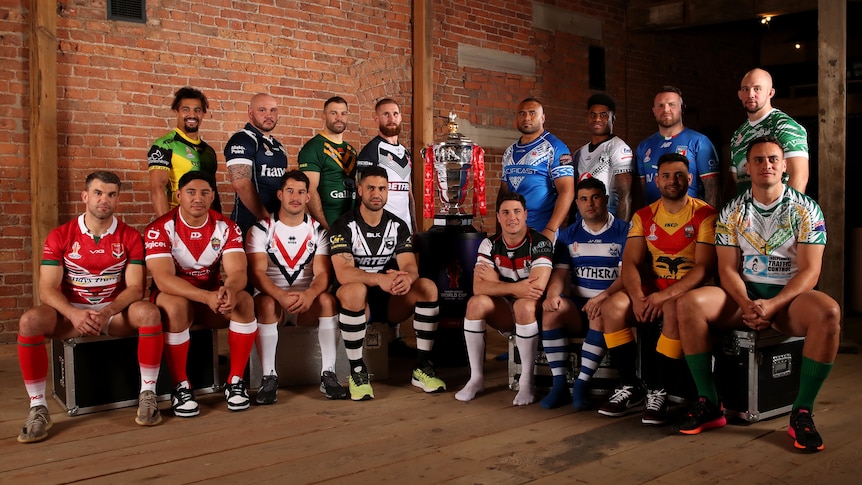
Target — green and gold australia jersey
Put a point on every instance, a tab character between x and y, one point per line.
334	162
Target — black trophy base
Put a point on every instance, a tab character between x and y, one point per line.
453	223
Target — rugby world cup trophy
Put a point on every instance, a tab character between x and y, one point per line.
453	169
455	172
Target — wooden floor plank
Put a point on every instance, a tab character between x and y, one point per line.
407	436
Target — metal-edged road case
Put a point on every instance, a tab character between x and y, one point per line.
100	373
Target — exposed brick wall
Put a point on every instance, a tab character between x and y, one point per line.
116	81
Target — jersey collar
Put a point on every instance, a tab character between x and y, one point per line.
85	230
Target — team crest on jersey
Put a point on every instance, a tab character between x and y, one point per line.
647	155
310	247
516	182
215	243
190	154
389	242
614	250
117	250
76	248
682	150
689	231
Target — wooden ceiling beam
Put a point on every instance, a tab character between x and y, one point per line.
675	14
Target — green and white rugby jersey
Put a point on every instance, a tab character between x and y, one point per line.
776	123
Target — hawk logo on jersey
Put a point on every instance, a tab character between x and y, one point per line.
215	243
673	265
76	251
117	250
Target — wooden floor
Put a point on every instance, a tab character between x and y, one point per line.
406	436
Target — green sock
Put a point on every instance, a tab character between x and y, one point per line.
700	366
813	375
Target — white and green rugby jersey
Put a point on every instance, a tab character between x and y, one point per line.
768	237
776	123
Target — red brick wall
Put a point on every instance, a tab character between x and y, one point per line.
116	81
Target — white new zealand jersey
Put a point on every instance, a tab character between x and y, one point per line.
290	250
605	161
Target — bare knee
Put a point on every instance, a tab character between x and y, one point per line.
525	311
479	307
426	289
266	308
39	320
353	296
328	304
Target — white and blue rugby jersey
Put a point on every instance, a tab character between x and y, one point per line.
593	257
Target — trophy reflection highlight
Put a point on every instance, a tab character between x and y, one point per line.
454	168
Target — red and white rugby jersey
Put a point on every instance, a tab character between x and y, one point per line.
196	251
93	267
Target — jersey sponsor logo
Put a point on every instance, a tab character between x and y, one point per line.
756	265
336	239
597	273
565	159
153	234
215	243
76	251
97	251
520	170
156	156
372	261
237	150
92	280
339	194
154	244
372	234
117	250
399	186
627	150
275	172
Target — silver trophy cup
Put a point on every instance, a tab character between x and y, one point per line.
455	162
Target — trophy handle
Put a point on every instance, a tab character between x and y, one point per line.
479	180
428	185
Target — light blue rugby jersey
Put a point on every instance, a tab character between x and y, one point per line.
531	170
701	154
